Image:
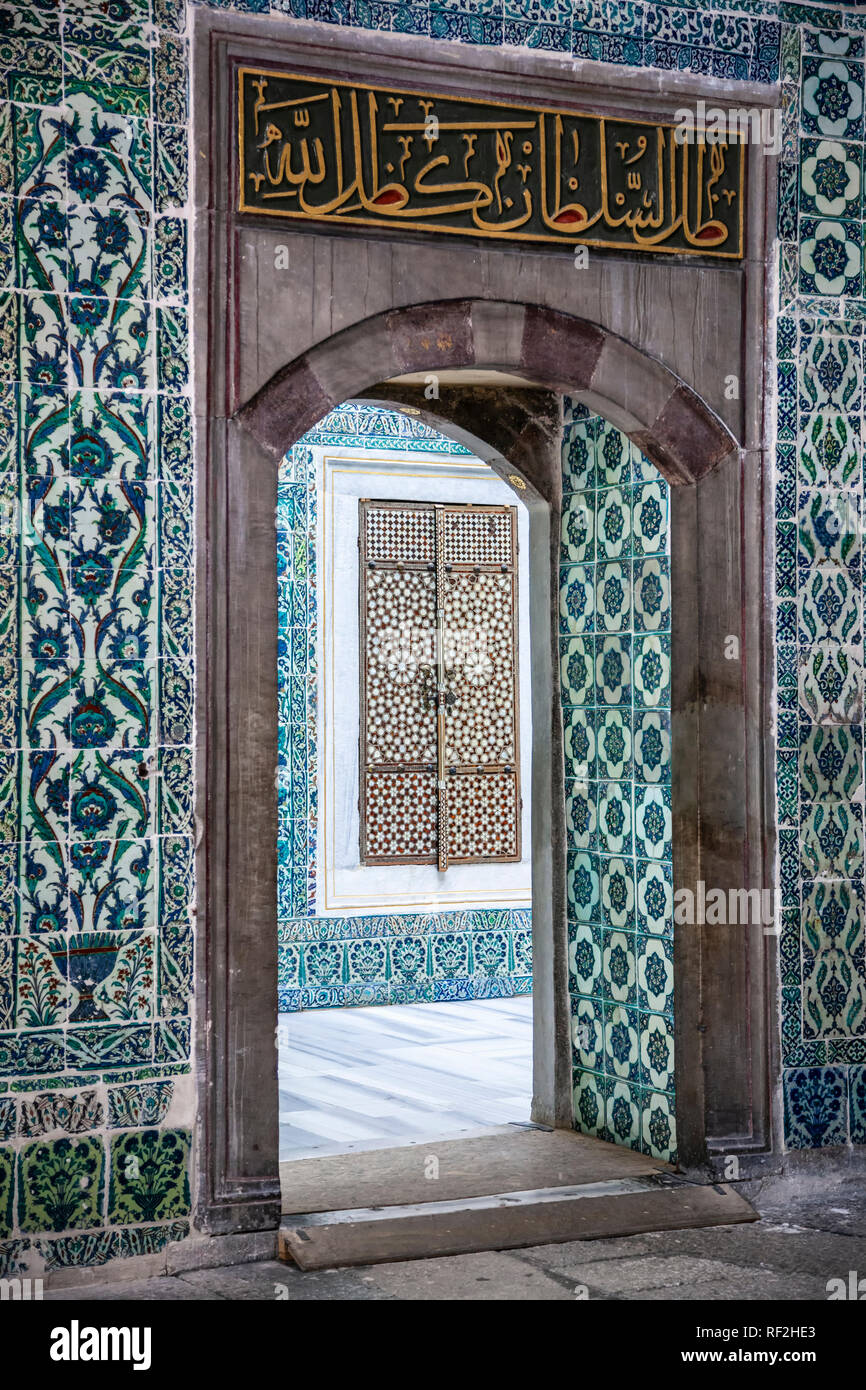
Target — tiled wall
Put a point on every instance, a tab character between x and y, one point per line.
385	959
615	619
94	589
95	615
819	591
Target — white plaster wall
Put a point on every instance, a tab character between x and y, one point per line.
345	886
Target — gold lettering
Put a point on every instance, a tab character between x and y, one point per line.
343	151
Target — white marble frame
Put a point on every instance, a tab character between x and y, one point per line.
345	887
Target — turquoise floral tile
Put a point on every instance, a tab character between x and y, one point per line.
614	744
622	1041
830	606
577	599
587	1033
613	523
578	527
613	600
658	1125
614	818
618	898
830	451
623	1113
613	670
652	746
581	815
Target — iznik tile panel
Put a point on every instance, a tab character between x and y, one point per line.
819	582
615	618
96	593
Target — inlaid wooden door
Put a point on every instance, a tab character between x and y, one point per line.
439	752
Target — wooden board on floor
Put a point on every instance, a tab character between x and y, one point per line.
506	1159
508	1221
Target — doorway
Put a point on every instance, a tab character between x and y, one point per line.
405	1009
648	347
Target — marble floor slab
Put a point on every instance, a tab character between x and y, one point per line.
352	1079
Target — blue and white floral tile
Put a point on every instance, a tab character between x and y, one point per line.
589	1103
831	254
585	959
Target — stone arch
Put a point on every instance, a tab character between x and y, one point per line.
638	394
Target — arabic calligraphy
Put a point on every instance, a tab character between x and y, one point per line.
348	153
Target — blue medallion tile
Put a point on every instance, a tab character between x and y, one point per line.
580	815
582	886
579	738
613	523
655	896
832	100
651	670
618	892
614	453
620	978
650	518
655	974
652	746
658	1126
656	1052
587	1034
830	179
652	598
585	959
614	744
589	1103
613	597
623	1113
576	599
577	669
652	822
622	1043
578	528
613	670
831	255
614	817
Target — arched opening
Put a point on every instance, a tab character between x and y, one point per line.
404	922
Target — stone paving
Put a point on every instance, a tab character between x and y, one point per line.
799	1244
